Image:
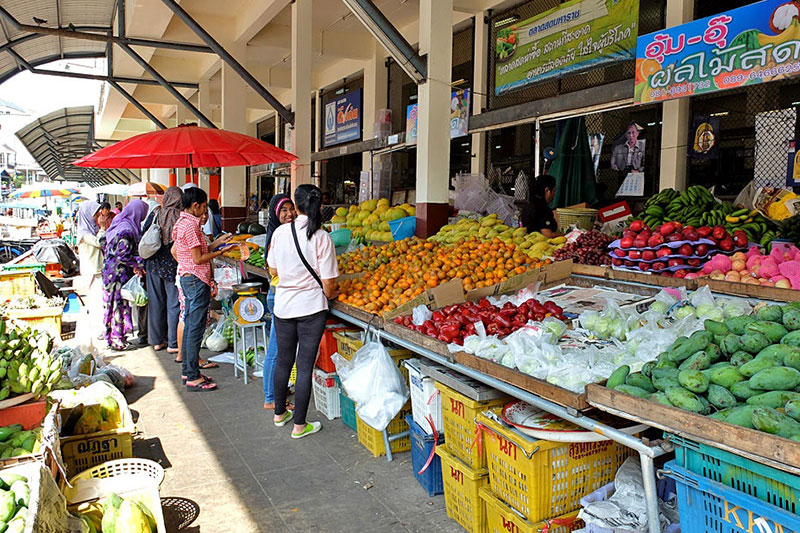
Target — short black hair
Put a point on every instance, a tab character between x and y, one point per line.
544	182
105	205
213	205
118	203
192	196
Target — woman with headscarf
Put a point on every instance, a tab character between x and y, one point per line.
92	226
122	263
161	269
281	211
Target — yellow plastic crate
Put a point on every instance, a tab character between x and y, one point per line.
462	486
80	452
347	346
372	439
542	479
48	318
502	518
458	417
13	283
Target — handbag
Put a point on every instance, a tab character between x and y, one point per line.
302	257
150	243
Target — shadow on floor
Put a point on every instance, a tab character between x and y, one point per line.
151	449
142	386
179	513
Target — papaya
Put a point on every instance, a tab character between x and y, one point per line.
641	381
693	380
792	338
633	391
751	368
753	342
777	378
737	324
716	328
618	376
769	420
775	399
771	330
686	399
743	391
720	397
89	421
148	515
110	508
791	318
109	410
741	357
699	361
773	313
727	376
131	518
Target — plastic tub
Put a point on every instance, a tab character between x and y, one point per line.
341	237
403	228
422	447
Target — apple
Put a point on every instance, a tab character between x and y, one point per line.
701	250
626	242
667	228
704	231
739	256
616	261
676	261
726	244
659	265
640	243
637	225
655	240
629	233
674	237
690	235
629	263
619	252
738	265
680	274
693	262
668	274
661	252
649	255
740	238
635	255
783	284
685	250
644	267
732	276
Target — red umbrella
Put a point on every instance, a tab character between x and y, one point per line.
186	146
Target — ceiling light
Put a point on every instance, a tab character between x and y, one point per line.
506	20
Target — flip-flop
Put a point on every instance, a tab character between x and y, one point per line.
208	364
172	350
310	429
203	386
205	378
285	420
176	361
159	347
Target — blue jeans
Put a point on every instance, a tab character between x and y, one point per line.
272	352
196	296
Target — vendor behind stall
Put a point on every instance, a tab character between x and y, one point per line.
536	213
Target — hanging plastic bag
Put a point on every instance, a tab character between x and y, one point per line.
216	341
134	292
373	382
420	314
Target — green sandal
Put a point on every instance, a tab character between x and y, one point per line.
283	421
310	429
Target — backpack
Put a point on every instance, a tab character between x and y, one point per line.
150	243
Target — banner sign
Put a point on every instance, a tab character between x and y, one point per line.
752	44
459	117
574	36
343	119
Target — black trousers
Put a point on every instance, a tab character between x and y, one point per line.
298	339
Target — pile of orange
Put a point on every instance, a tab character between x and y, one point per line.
397	272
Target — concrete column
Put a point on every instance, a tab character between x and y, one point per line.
234	98
182	116
480	76
204	98
301	92
676	115
159	175
318	133
376	82
433	137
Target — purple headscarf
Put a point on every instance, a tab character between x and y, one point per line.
86	223
129	221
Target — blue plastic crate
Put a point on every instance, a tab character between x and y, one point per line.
403	228
754	479
709	506
347	407
421	450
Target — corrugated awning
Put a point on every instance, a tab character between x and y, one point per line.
59	138
36	49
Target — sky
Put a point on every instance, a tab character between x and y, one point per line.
41	95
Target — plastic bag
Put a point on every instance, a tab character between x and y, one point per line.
420	314
134	292
216	341
374	383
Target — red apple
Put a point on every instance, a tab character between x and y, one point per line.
616	261
619	252
704	231
635	255
661	252
701	249
640	243
629	263
678	226
726	244
686	250
645	234
674	237
655	240
713	240
637	225
659	265
629	233
667	228
740	238
676	261
625	242
644	267
693	262
667	274
679	274
648	255
690	235
687	229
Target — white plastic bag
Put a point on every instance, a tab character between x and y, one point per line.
134	292
373	382
420	314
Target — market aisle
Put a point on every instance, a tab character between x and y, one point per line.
221	452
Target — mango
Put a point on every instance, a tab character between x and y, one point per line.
741	357
664	378
791	318
89	422
661	398
769	420
696	342
714	353
634	391
641	381
775	399
792	338
737	324
647	368
771	330
792	409
720	397
779	351
751	368
8	506
693	380
730	344
777	378
716	328
727	376
743	391
131	519
740	416
618	376
753	342
686	399
698	361
773	313
109	410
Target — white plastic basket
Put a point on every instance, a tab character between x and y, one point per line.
425	400
326	394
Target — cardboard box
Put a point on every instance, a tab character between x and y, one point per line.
546	274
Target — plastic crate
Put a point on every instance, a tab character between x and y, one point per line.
22	267
16	283
80	452
502	518
372	439
347	408
542	479
28	415
421	449
765	483
46	318
707	505
328	345
458	418
425	402
462	486
326	394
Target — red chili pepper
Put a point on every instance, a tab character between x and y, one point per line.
492	328
484	303
508	313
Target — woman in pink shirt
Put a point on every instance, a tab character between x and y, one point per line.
303	257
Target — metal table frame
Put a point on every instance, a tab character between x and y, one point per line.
646	453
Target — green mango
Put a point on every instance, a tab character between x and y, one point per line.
714	353
741	357
618	376
771	330
664	378
792	338
771	421
751	368
647	368
686	399
737	324
792	408
725	377
743	391
720	397
777	378
730	344
773	313
741	415
699	361
775	399
791	319
753	342
716	328
634	391
641	381
693	380
661	398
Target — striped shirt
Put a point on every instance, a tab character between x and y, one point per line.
187	235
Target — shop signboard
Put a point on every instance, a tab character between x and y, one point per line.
574	36
343	119
752	44
459	117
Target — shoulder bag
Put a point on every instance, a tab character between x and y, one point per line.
303	259
150	243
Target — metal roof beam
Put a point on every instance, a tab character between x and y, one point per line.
138	105
98	37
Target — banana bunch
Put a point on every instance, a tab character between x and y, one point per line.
655	208
26	364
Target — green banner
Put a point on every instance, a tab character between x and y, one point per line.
575	36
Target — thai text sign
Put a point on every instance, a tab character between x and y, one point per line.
343	118
752	44
574	36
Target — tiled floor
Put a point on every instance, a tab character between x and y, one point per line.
225	459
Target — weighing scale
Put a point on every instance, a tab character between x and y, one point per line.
248	308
